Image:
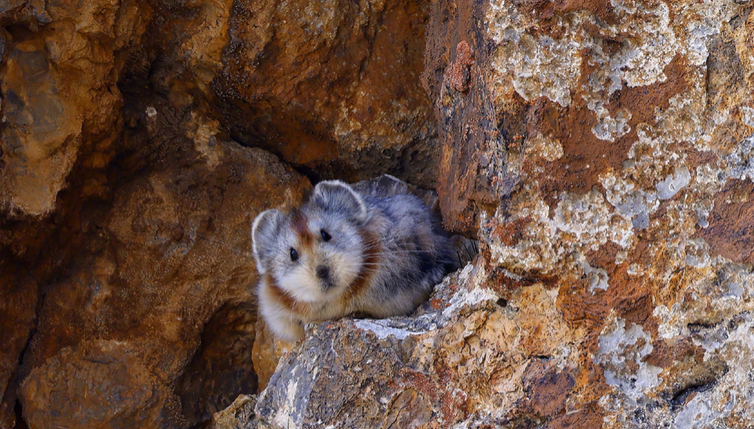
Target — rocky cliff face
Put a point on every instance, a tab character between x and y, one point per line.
598	150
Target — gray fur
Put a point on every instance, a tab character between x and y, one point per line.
264	232
336	196
414	255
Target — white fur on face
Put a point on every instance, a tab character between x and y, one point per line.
302	282
345	268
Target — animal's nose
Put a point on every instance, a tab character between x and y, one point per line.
323	272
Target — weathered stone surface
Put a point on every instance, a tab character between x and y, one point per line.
239	415
601	152
129	205
332	86
102	384
171	270
464	356
731	222
474	170
602	155
18	303
631	138
60	94
266	353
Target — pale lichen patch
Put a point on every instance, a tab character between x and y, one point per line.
535	66
672	184
544	147
587	221
203	132
597	278
622	353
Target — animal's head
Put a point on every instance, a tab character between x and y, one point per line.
316	251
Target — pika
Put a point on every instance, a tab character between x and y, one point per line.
344	253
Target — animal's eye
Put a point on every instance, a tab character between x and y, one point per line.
294	255
325	235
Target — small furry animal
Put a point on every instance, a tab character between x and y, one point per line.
346	253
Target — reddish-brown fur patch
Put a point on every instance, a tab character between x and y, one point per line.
300	224
372	249
285	298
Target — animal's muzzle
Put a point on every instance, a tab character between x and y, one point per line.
323	272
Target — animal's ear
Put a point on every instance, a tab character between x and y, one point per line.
334	195
264	233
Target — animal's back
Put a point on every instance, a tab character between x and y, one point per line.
414	254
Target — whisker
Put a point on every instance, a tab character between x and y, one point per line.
401	251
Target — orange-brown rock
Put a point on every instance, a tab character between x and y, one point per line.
731	222
331	86
98	384
474	172
59	93
129	206
170	283
266	353
602	153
